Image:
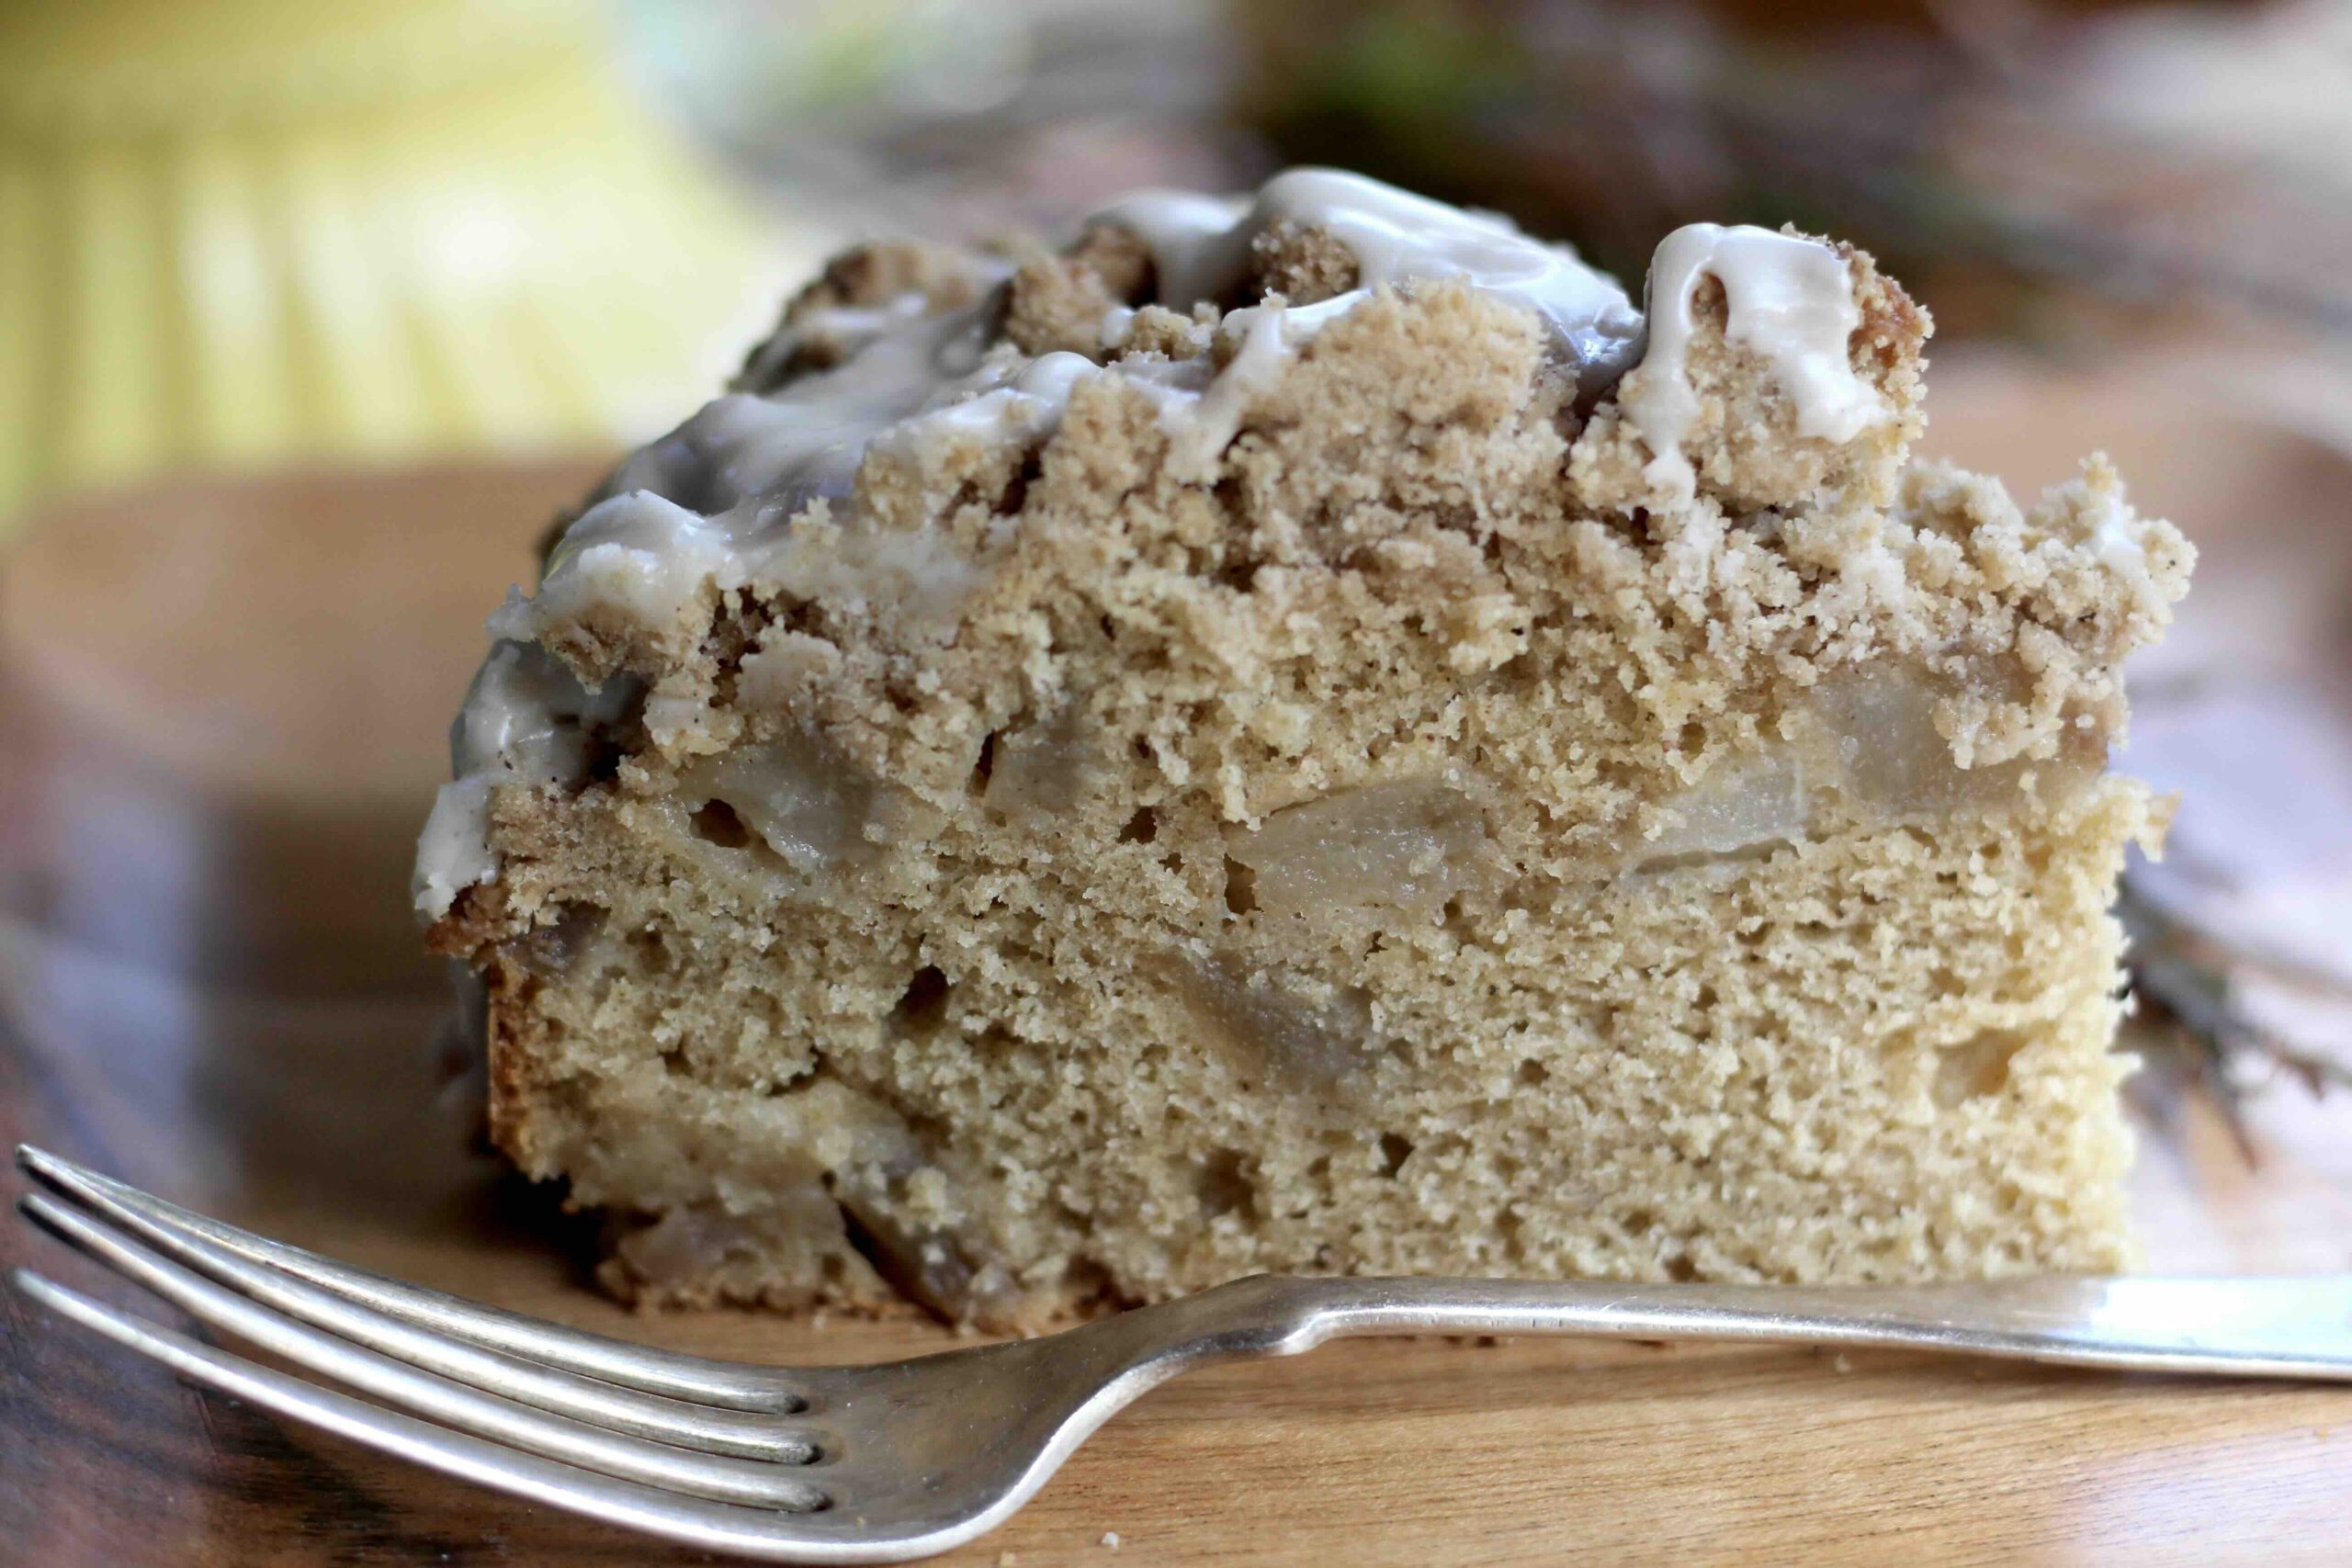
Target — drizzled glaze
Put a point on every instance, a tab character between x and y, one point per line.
1201	248
710	506
526	720
1791	300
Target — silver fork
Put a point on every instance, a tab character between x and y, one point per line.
883	1463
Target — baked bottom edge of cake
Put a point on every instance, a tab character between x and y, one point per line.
1884	1057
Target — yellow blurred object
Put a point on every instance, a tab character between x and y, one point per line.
247	232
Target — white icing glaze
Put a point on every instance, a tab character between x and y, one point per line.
2118	542
779	451
753	464
1791	300
1201	250
1198	244
1028	405
1202	406
636	554
526	720
850	327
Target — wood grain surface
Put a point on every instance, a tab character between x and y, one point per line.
221	709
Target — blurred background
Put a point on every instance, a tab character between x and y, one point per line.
239	233
311	315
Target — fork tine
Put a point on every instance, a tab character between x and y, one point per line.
716	1526
515	1376
589	1355
755	1482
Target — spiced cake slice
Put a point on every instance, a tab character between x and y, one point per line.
1306	732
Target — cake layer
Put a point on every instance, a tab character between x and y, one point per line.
1774	1065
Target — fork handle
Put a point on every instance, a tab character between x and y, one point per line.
2287	1326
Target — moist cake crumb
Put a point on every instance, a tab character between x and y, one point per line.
1303	733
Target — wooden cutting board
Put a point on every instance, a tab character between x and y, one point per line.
221	711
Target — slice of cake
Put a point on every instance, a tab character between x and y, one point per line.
1306	733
